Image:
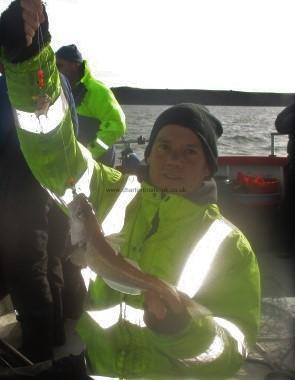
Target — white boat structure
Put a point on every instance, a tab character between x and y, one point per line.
257	213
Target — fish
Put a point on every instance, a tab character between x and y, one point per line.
100	256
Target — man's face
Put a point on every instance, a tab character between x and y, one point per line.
177	162
67	68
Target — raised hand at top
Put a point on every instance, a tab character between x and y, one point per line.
33	16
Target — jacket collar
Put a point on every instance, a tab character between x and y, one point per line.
87	73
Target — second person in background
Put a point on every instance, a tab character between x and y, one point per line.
101	119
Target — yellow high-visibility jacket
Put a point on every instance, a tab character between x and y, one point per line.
101	119
185	243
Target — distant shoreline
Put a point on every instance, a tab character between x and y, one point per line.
139	96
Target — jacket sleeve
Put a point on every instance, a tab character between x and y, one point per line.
48	143
103	106
285	121
100	104
217	342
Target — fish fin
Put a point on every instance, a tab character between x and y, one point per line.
115	241
122	288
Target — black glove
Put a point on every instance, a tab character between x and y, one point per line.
12	35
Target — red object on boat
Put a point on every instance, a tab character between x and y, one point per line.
258	184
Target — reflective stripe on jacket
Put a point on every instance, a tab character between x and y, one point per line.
184	243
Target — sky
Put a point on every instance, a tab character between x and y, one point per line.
245	45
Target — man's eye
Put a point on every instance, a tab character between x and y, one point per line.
192	151
163	147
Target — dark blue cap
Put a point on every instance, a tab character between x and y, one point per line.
69	53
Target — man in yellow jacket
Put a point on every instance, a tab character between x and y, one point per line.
165	219
101	119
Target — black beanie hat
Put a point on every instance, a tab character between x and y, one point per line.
69	53
199	120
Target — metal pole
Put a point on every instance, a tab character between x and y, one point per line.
140	141
22	358
272	144
272	141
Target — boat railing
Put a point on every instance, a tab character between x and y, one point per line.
141	140
269	165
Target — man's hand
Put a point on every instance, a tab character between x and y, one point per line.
159	318
33	16
18	26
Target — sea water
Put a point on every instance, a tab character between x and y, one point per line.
246	130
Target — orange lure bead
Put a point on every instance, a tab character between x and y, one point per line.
41	79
